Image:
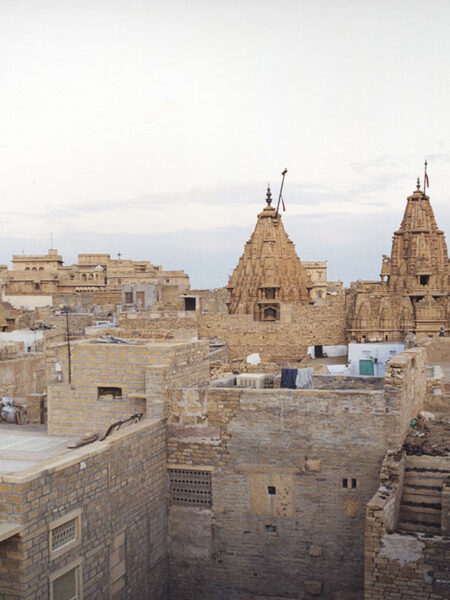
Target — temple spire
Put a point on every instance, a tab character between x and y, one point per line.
269	273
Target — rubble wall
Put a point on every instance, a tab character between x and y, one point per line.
402	566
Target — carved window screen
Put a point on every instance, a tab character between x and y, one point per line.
64	534
190	488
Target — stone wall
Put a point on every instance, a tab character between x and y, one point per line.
159	326
22	376
142	373
118	489
283	341
438	349
346	382
405	389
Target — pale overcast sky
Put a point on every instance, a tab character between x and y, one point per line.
152	127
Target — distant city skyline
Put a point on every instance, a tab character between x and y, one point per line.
151	129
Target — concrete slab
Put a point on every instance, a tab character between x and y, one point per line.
20	449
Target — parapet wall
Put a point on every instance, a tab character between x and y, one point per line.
142	373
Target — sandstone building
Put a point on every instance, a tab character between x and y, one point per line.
46	276
217	492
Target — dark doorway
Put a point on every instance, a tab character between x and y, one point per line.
424	279
318	351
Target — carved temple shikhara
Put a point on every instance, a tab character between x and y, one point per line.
269	272
413	294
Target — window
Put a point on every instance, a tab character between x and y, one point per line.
66	584
128	297
190	488
109	393
271	490
347	483
424	279
65	533
189	304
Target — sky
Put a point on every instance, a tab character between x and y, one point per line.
151	128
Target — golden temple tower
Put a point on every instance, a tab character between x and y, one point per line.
269	272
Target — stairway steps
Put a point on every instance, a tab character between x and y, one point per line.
424	480
420	496
409	526
421	515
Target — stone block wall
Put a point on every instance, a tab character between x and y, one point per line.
143	373
405	389
118	489
346	382
159	326
22	376
306	539
281	341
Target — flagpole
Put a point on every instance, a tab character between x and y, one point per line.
281	190
425	178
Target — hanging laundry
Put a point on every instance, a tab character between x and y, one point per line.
288	377
304	378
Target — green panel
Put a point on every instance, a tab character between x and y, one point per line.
366	367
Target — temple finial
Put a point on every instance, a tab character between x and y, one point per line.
418	183
268	195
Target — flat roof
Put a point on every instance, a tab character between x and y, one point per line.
21	448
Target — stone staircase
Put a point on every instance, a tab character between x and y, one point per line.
421	503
